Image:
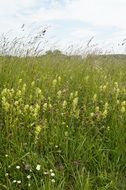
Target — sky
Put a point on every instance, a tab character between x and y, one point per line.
70	22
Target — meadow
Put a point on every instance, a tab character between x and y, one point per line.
63	123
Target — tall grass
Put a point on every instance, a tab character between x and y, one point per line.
62	123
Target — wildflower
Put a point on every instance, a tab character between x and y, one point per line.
94	97
38	167
54	83
12	91
26	107
123	103
104	87
45	173
6	174
37	132
31	108
104	113
38	129
24	88
51	170
76	93
53	180
123	109
92	114
71	95
75	102
16	103
50	105
29	184
17	167
37	108
108	128
49	98
38	91
66	133
35	115
116	84
117	102
106	106
64	104
28	176
18	94
33	83
4	92
19	181
20	81
52	174
45	106
6	155
59	93
59	79
97	109
6	106
14	181
4	100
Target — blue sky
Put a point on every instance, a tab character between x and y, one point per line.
69	21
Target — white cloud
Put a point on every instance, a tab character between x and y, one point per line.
83	33
98	13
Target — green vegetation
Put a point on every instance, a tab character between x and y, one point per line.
63	123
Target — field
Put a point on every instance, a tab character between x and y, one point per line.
63	123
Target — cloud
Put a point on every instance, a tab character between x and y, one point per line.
97	12
83	33
106	18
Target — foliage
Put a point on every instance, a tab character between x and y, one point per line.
62	123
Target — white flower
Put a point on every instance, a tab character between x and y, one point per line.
6	174
38	167
53	180
18	167
28	176
14	181
51	170
45	173
19	181
52	174
6	155
29	184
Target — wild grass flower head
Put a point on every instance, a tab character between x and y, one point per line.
75	103
64	104
54	83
